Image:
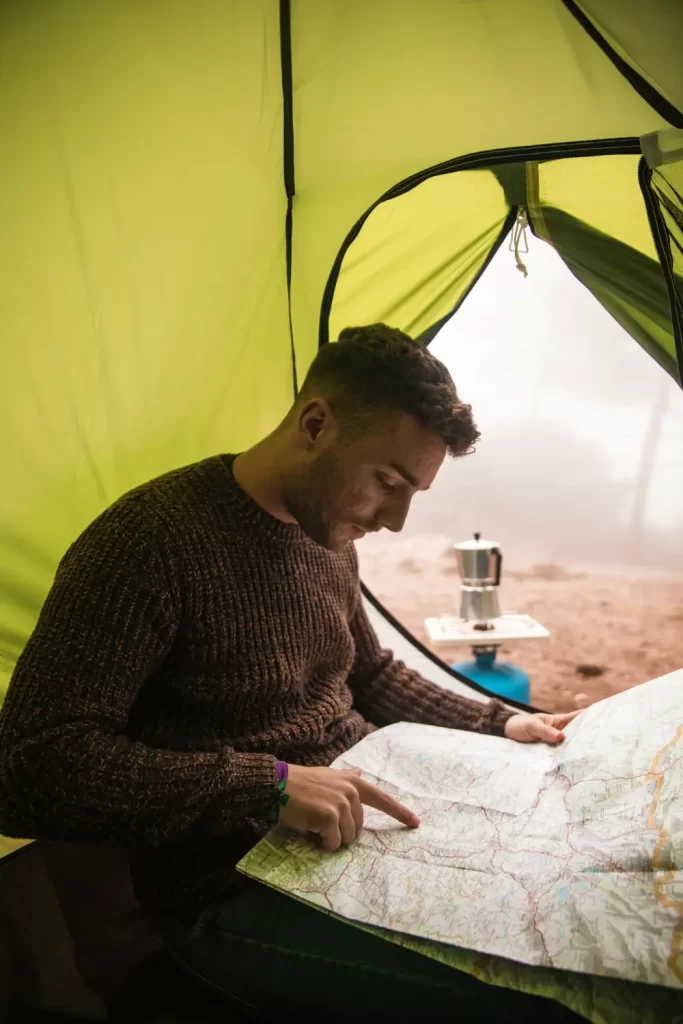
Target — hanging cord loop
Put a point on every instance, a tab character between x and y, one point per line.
518	240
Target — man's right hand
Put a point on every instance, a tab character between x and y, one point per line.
329	802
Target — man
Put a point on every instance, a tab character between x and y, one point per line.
203	657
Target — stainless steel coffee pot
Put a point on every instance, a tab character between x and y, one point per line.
479	565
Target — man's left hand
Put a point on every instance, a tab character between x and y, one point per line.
543	727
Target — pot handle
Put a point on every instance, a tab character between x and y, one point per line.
499	563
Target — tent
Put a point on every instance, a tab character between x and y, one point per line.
195	195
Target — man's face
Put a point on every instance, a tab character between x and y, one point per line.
344	489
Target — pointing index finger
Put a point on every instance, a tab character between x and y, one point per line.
372	796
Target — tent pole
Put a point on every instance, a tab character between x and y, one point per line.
288	162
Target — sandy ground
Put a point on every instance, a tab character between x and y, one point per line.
611	628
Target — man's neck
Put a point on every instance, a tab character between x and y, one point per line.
258	471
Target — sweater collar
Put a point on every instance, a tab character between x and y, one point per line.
250	512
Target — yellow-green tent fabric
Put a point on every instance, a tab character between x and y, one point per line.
190	202
196	194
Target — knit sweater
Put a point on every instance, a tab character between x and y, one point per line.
188	642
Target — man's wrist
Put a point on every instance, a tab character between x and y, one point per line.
500	717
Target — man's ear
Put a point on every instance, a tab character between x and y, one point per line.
316	424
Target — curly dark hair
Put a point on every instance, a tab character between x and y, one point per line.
373	371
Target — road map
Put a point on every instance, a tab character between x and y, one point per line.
565	859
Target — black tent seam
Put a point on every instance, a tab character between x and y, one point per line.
660	236
668	205
644	89
288	162
434	658
500	238
472	161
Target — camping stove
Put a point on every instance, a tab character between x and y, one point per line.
482	626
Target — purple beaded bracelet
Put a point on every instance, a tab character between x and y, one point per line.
281	774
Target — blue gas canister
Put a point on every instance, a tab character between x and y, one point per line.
507	681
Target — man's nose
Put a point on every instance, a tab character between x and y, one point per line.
393	516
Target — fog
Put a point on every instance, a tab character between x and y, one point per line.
581	455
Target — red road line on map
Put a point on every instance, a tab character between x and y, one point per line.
656	775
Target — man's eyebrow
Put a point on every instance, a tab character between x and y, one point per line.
407	476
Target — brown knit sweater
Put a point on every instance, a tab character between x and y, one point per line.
188	641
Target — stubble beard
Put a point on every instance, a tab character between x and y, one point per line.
303	499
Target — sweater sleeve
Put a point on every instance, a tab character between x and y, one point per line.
386	691
67	769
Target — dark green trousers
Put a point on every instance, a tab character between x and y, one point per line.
284	961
